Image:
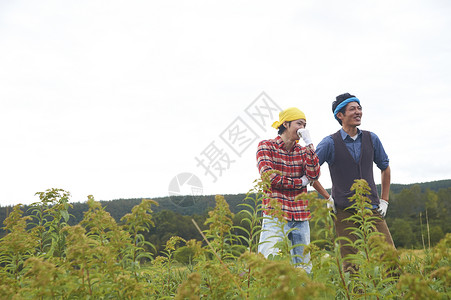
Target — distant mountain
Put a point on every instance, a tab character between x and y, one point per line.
432	185
189	205
395	188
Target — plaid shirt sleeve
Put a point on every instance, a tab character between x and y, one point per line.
303	161
311	163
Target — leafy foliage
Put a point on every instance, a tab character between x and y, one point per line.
417	215
44	256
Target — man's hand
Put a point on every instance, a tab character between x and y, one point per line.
331	204
383	205
305	135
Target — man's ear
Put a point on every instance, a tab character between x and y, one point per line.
340	116
286	124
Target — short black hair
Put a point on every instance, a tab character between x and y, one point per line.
282	128
338	100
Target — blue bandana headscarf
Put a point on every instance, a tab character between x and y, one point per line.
343	104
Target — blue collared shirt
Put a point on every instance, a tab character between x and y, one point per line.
326	150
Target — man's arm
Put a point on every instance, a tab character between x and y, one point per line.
324	152
265	164
385	183
385	191
320	189
311	163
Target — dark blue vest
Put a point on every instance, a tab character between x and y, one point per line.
345	170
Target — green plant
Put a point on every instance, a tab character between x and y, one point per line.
219	231
49	216
252	218
100	259
136	222
15	248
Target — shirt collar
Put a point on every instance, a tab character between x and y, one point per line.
279	141
281	144
344	135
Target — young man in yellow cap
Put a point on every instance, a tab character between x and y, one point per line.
350	154
296	166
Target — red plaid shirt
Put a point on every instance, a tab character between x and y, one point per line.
300	161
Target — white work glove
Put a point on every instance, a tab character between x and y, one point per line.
383	205
305	180
305	135
331	204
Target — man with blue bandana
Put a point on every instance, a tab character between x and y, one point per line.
350	154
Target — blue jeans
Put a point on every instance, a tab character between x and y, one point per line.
272	232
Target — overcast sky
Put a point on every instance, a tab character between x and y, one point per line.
118	99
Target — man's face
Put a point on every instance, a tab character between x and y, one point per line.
352	115
293	127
